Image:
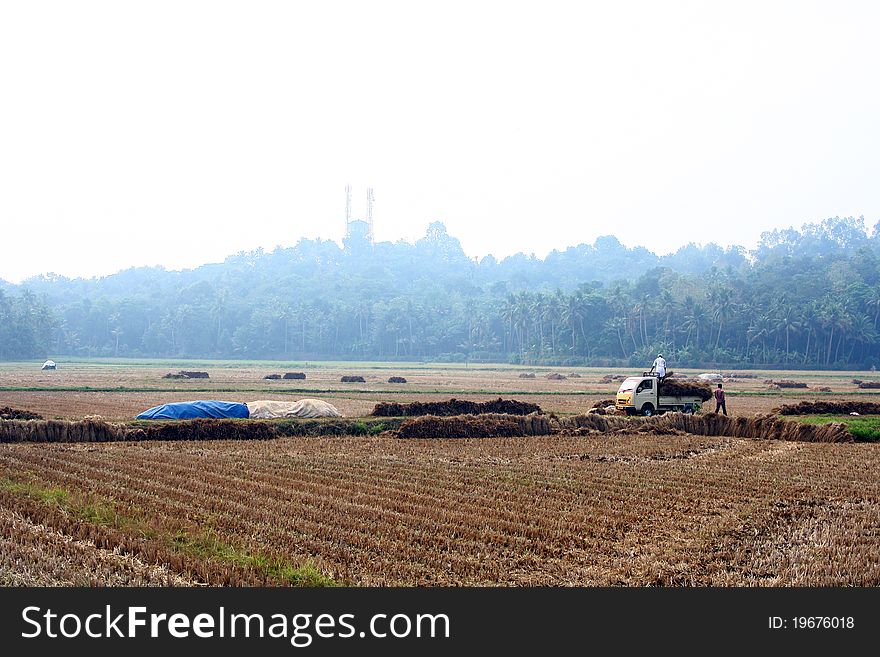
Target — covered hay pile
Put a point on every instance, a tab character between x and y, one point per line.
869	384
7	413
295	375
679	388
455	407
352	379
830	408
273	377
474	426
396	379
760	427
554	376
787	383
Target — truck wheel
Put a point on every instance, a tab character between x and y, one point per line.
648	410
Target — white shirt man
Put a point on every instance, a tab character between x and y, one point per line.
659	366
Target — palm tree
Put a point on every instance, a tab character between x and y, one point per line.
722	306
787	319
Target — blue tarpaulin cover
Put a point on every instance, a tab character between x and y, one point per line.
195	409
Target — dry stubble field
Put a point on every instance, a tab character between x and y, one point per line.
609	510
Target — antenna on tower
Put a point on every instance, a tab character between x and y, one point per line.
370	213
347	208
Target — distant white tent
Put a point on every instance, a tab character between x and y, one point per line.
49	365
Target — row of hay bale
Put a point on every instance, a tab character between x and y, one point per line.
99	431
760	427
455	407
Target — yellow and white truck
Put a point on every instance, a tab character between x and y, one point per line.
645	395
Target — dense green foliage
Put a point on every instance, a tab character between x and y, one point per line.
802	298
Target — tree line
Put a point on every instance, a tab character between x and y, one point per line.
803	298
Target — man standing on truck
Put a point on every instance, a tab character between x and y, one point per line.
659	367
719	400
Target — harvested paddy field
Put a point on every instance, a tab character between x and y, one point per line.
618	507
620	510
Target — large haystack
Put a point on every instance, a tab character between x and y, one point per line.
830	408
474	426
454	407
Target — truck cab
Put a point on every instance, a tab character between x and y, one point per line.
640	395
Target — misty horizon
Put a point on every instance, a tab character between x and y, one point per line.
869	230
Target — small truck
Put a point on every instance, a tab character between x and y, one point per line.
640	395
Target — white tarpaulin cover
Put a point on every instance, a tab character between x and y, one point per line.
266	410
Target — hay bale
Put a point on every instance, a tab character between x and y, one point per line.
474	426
396	379
787	383
209	429
455	407
8	413
527	375
574	375
172	375
857	381
295	375
555	376
820	407
823	389
683	388
603	403
352	379
869	385
189	374
273	377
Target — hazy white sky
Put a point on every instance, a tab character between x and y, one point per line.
177	133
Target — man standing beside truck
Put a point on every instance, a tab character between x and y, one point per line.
720	403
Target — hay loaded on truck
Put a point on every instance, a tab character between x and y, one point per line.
646	395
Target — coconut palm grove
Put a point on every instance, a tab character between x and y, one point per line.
803	298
